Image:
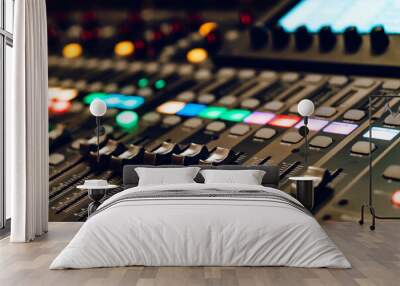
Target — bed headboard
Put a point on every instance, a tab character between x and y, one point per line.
271	178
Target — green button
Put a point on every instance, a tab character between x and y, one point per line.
143	82
212	112
127	119
236	115
160	84
92	96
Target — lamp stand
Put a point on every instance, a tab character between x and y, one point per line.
306	141
98	138
370	205
303	131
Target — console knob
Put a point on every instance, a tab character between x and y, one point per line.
327	39
280	37
303	38
258	36
379	40
352	39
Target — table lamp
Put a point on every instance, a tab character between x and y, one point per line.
98	108
305	109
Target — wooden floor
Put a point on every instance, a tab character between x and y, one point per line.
375	257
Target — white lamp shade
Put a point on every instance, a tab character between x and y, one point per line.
305	107
98	107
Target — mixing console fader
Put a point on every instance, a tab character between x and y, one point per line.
221	87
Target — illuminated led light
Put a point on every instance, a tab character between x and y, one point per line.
92	96
160	84
313	124
396	198
382	133
131	102
286	121
113	100
72	51
212	112
197	55
62	94
171	107
127	119
245	19
116	100
60	107
143	82
236	115
124	48
340	128
259	118
207	28
191	109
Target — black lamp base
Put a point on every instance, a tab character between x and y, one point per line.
95	195
305	193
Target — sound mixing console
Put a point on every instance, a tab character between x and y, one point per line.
222	87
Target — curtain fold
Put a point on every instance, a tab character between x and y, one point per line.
27	123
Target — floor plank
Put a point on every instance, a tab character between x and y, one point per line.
375	257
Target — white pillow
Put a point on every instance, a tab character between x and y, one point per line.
164	176
248	177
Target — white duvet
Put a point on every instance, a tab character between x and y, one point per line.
203	231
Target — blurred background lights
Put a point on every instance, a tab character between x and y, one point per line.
72	51
127	119
197	55
124	49
206	28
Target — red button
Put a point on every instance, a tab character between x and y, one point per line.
284	121
396	198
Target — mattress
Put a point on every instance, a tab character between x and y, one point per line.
201	225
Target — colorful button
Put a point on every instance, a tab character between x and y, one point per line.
72	50
340	128
191	109
92	96
171	107
380	133
313	124
197	55
212	112
396	198
160	84
236	115
129	101
59	107
127	119
116	100
259	118
286	121
62	94
112	100
143	82
124	48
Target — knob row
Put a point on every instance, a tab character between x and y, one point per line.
260	36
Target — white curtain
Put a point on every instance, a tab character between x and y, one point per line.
27	124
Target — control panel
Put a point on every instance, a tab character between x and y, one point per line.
221	86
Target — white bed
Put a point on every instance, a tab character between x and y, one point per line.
224	225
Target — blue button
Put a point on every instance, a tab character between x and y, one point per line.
112	100
131	102
191	109
122	101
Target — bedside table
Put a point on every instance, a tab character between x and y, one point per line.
305	190
96	189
